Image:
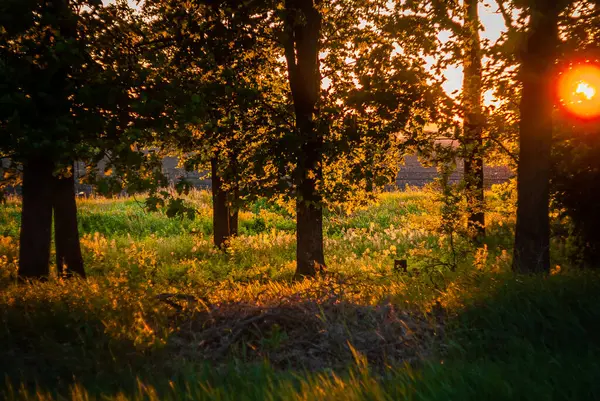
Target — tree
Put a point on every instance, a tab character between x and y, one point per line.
539	53
66	233
464	48
351	132
575	178
575	187
68	250
59	102
39	55
303	33
473	122
216	55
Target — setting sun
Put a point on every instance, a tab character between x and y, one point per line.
578	91
586	90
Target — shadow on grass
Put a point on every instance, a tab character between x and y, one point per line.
530	338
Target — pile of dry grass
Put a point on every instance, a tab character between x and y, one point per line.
317	325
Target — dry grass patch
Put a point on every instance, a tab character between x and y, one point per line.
314	324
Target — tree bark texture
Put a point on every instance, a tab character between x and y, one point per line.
225	220
532	235
473	121
303	30
69	260
36	220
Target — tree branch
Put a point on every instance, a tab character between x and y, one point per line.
508	21
514	157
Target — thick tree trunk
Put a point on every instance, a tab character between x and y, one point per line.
66	234
36	220
309	238
225	220
532	236
43	193
303	30
310	257
473	121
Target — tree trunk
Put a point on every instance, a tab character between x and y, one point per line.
473	121
233	207
532	235
66	234
36	220
225	220
233	222
310	257
303	30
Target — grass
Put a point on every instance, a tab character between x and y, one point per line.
164	316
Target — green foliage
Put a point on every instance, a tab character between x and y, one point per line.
227	91
239	104
68	71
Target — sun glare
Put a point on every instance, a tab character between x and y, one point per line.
586	90
578	91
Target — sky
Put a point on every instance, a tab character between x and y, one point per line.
493	26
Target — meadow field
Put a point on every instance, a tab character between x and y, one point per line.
166	316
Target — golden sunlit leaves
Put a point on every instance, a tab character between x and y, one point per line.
578	90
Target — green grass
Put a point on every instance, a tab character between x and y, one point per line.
476	333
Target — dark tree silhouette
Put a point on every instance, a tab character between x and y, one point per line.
225	218
36	219
69	260
303	29
473	119
532	235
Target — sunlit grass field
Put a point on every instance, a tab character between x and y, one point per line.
166	316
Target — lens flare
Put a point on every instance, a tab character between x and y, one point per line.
578	89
